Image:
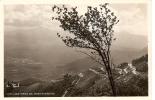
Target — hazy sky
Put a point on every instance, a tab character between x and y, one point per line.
30	31
133	17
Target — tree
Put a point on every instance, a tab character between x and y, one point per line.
93	31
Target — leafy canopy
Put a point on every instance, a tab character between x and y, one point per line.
93	30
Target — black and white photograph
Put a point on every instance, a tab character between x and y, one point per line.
76	50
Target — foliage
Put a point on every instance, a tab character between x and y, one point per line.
92	30
143	58
136	86
141	63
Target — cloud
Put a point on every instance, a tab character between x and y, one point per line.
133	17
24	16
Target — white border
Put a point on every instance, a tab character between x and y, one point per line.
7	2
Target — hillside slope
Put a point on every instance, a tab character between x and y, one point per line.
93	82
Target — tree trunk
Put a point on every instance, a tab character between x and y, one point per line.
106	61
112	83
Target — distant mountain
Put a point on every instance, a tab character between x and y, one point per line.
39	45
43	45
130	41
